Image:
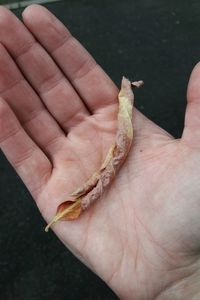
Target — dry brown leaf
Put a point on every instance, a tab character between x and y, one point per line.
92	189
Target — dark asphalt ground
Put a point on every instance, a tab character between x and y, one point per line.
157	41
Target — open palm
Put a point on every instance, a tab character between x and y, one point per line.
57	121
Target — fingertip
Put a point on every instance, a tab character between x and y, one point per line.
33	10
5	15
28	11
45	26
37	18
193	90
196	68
4	9
197	65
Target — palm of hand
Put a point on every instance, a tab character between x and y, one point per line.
147	223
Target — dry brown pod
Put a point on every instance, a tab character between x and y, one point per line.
82	197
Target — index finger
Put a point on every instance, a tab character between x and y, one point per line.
93	84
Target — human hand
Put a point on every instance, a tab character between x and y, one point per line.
142	238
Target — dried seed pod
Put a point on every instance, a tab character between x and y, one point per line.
88	185
92	189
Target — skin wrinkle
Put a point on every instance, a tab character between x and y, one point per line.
35	114
54	141
103	128
79	73
43	182
137	242
172	263
12	133
110	110
75	80
103	144
26	156
47	86
13	85
118	266
65	40
189	147
76	115
86	237
152	240
31	109
172	285
89	153
127	243
144	257
23	51
149	262
89	62
96	124
45	147
44	193
95	135
162	171
92	137
51	80
81	164
122	241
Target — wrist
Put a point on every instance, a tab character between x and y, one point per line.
183	289
182	283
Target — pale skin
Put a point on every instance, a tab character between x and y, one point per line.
143	236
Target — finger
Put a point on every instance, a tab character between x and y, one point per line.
41	71
27	106
92	83
28	160
191	133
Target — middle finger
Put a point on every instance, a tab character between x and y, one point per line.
41	71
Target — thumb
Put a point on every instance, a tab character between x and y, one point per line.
191	132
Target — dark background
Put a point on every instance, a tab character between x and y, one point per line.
157	41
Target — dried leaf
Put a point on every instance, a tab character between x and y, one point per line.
92	189
68	210
88	185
